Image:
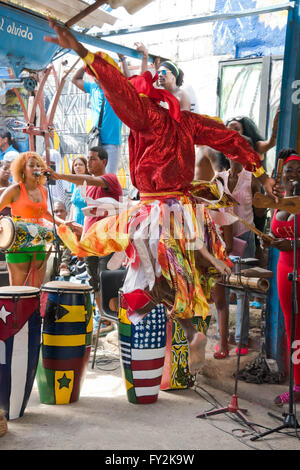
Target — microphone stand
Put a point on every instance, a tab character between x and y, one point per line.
57	257
290	419
233	407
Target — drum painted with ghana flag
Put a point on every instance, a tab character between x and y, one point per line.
20	337
142	350
67	331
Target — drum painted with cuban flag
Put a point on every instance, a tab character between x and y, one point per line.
176	374
143	347
20	338
67	331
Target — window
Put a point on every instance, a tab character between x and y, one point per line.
251	87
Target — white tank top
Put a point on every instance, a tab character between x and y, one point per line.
242	193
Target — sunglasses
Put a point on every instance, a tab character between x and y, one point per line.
163	72
237	118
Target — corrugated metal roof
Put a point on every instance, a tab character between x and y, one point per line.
132	6
65	10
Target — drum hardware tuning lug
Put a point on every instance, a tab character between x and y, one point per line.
15	323
56	314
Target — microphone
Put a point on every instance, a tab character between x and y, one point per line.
295	185
37	174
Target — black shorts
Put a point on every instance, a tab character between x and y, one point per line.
94	266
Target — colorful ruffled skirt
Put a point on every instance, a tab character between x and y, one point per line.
160	237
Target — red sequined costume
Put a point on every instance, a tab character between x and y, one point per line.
162	160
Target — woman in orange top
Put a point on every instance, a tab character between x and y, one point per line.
27	199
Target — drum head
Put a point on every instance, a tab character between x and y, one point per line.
8	233
21	291
54	286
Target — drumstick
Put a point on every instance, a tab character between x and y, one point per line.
255	230
279	170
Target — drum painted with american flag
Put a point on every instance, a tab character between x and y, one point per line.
143	347
20	337
176	374
67	331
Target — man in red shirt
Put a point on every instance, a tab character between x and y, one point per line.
99	184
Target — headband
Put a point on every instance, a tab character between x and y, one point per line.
292	157
171	66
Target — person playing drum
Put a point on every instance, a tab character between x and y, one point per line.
27	198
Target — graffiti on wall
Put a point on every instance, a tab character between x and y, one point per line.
259	35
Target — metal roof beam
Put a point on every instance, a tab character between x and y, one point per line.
84	13
95	41
198	20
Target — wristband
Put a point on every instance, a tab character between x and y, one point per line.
89	58
259	171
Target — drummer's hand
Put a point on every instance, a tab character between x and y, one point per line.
282	244
273	189
65	39
222	267
266	243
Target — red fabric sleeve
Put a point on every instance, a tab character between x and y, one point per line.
208	131
129	106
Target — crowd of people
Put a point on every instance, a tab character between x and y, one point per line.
176	157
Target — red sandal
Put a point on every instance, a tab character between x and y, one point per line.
244	351
219	354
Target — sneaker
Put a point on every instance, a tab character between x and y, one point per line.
82	276
80	267
255	304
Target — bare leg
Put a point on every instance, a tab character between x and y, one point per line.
219	296
39	275
17	273
98	302
196	344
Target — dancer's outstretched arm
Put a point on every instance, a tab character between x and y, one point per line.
208	131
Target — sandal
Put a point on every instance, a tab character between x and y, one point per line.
243	352
219	354
280	400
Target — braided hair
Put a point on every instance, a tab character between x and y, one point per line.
285	153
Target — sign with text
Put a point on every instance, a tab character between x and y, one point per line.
22	40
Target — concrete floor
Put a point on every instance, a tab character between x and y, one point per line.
104	420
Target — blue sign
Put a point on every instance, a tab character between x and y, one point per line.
22	40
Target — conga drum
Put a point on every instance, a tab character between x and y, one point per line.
176	374
19	234
142	350
20	337
67	330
